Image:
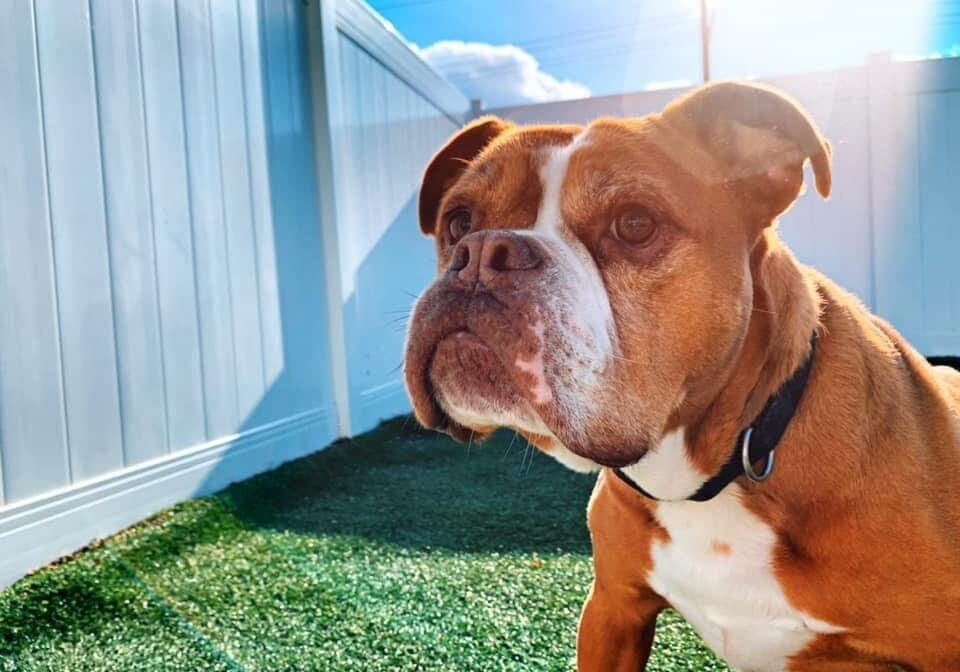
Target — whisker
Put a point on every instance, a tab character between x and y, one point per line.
523	459
533	455
510	445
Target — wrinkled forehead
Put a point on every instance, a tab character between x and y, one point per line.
513	162
571	166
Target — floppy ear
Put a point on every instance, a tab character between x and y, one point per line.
759	139
450	162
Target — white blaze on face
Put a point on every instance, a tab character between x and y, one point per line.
552	172
576	328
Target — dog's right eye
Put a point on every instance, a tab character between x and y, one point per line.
459	222
634	226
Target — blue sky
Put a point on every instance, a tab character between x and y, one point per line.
612	46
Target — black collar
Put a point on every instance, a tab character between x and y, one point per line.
757	442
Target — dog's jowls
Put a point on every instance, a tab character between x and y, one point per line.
617	293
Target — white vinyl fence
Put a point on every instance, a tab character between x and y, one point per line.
195	279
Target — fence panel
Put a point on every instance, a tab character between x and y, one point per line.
163	328
395	112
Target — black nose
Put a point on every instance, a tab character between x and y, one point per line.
486	255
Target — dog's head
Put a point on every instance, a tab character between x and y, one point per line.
594	284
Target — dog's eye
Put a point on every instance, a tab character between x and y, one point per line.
634	226
459	222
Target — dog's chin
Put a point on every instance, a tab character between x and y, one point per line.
474	390
475	394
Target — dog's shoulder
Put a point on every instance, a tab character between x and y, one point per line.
869	347
950	376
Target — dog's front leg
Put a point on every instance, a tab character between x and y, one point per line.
616	631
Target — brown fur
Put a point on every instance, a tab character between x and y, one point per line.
712	318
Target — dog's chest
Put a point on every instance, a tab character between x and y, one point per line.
717	571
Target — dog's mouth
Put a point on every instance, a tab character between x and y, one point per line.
466	389
476	362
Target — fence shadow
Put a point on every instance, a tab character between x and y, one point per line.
403	486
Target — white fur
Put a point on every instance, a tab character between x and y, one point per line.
570	459
552	173
479	412
733	600
666	471
483	414
535	367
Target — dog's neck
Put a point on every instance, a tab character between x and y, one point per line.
785	312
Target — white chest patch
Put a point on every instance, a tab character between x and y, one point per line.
717	572
666	471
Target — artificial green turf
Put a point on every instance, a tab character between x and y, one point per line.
394	551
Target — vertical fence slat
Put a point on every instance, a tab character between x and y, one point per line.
938	221
260	191
132	259
347	154
170	201
71	125
278	145
841	247
209	236
953	228
310	322
32	427
238	218
897	244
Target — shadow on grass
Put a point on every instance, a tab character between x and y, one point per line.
402	548
395	485
402	486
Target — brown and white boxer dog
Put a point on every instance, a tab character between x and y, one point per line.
777	464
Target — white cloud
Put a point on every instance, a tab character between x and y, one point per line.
499	75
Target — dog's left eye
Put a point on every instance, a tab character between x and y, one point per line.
634	226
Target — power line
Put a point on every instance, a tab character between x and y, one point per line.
600	31
651	23
578	56
584	40
586	43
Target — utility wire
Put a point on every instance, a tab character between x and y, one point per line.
596	53
564	41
